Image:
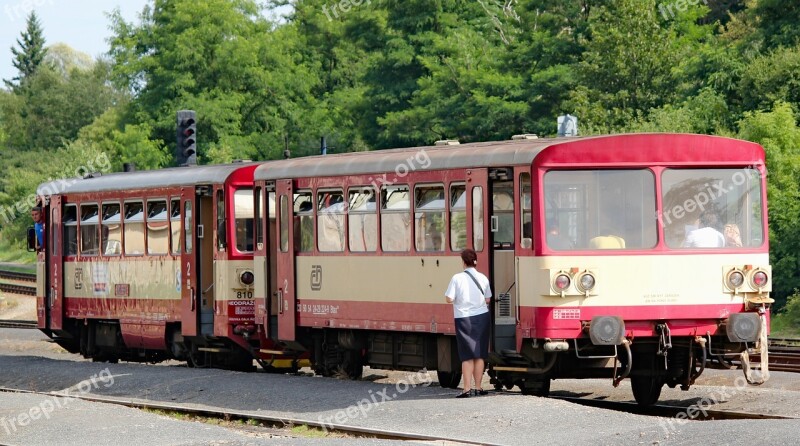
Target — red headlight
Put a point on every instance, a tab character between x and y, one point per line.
760	279
562	282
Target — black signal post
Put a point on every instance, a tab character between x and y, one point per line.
186	152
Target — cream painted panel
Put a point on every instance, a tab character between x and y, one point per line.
227	274
639	280
373	278
151	279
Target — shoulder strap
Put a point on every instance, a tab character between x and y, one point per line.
477	284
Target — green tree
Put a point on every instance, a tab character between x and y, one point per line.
30	54
778	133
222	59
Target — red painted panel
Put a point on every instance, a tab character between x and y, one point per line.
683	320
151	336
651	149
287	318
128	310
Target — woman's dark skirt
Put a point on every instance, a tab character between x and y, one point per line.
472	336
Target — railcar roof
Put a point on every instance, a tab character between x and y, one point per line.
143	179
498	153
637	148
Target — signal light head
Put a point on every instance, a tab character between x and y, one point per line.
760	279
561	282
735	279
247	278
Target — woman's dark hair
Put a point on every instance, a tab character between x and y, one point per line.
469	257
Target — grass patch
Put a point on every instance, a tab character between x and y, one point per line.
786	324
13	251
308	432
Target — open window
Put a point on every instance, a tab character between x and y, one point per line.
157	227
70	223
90	230
331	213
395	218
134	228
111	230
363	220
429	217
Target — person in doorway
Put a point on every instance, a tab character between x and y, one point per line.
470	294
38	226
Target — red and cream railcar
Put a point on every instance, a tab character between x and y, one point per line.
617	256
150	265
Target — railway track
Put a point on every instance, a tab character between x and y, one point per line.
18	276
267	421
4	323
23	290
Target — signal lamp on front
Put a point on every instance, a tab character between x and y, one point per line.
759	279
735	279
561	282
587	282
247	278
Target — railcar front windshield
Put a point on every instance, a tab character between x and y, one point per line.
712	208
244	213
600	209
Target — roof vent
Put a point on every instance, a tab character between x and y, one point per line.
525	136
91	175
446	142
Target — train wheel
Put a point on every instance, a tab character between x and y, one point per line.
351	367
448	380
535	387
646	389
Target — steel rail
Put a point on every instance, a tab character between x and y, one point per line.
228	415
7	323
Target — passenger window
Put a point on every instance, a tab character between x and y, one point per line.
244	213
70	222
503	211
221	222
284	224
458	217
188	226
90	230
477	218
111	230
525	205
134	229
303	222
157	228
175	225
363	220
429	218
330	221
259	219
395	219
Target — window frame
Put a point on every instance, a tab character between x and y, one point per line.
125	227
168	211
103	223
97	229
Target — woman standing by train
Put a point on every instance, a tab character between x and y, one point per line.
470	294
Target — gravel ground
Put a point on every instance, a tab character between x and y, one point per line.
386	403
